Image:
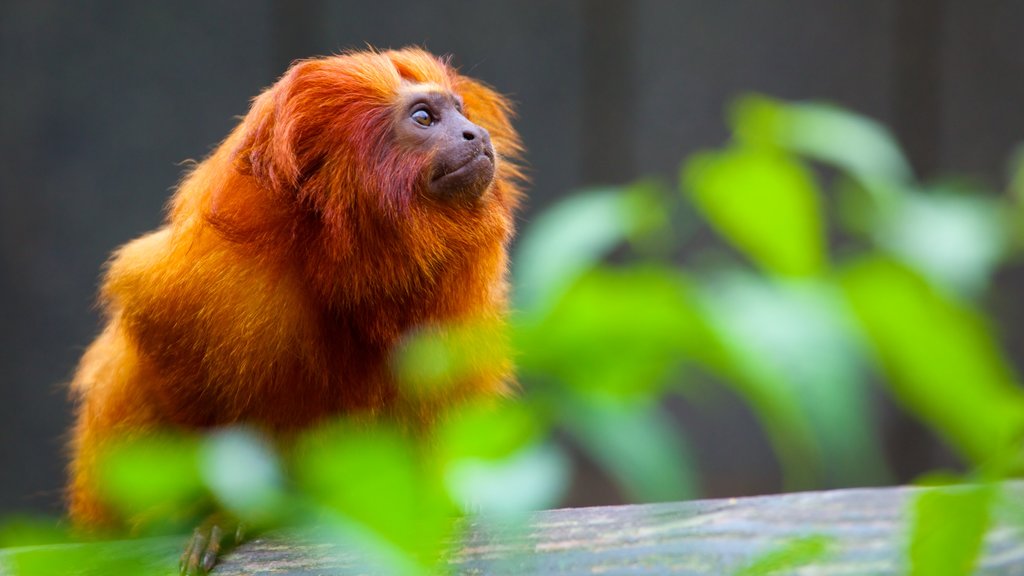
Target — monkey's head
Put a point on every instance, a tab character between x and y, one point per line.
392	159
389	126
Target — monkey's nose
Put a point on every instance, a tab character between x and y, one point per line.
472	132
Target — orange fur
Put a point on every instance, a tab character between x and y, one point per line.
292	261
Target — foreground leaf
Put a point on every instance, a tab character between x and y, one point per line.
941	359
577	233
949	525
764	203
638	444
824	132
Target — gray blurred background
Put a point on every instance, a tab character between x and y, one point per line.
101	101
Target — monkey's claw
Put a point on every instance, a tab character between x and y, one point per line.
208	542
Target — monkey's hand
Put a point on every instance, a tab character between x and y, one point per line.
217	535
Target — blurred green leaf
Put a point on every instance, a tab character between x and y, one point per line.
433	362
626	332
1016	173
148	557
1009	506
566	239
858	212
617	332
637	443
654	224
153	480
366	550
825	133
374	476
779	414
534	478
949	525
30	531
953	238
244	475
797	553
941	359
488	430
800	333
1016	192
576	233
763	388
763	202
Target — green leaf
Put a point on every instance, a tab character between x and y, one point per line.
487	431
17	530
244	475
800	334
625	333
763	202
1016	173
534	478
152	479
1016	190
729	358
638	444
375	477
797	553
566	239
949	525
954	238
619	332
941	359
434	362
575	234
142	557
823	132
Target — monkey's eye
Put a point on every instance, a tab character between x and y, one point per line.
422	117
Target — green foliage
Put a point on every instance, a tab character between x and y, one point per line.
17	531
949	525
857	145
637	443
488	431
432	361
940	357
372	476
765	203
954	237
1016	174
772	326
532	478
244	476
645	316
150	557
800	336
796	553
155	479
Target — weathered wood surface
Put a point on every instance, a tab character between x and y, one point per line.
865	529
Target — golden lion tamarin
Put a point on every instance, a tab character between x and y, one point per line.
362	195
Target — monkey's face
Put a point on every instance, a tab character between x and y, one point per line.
430	121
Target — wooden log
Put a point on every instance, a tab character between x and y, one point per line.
855	532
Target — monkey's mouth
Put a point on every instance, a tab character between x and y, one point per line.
469	177
470	164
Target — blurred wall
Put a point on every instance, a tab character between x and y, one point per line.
101	101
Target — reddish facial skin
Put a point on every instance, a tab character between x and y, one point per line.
328	224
